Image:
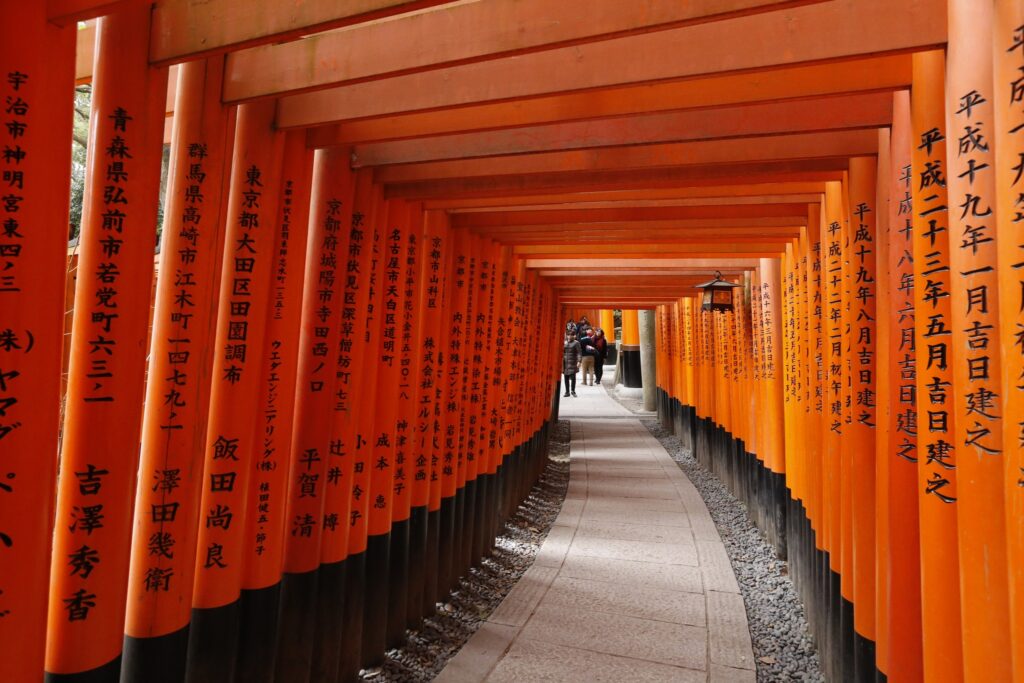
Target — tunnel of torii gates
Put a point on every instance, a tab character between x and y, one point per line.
379	215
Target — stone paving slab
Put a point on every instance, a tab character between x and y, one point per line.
631	531
529	660
632	582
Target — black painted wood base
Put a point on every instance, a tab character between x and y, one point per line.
375	618
331	582
108	673
160	659
398	576
297	625
631	374
446	540
350	650
430	563
259	626
213	644
417	566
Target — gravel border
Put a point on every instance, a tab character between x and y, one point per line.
426	651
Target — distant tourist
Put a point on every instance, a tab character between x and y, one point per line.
571	358
601	346
589	356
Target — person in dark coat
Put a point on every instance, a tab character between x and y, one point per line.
601	347
572	356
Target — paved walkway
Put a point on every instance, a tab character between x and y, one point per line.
632	583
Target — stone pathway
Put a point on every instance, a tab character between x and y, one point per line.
632	583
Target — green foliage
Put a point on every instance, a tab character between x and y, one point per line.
79	154
79	147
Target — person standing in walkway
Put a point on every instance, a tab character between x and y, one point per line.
589	354
601	347
571	358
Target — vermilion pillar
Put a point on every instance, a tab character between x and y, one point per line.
881	430
355	389
607	317
631	376
436	258
937	450
381	440
900	453
103	410
401	487
178	396
231	440
978	394
36	87
309	479
265	520
1008	119
863	255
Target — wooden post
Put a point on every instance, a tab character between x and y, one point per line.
436	263
1008	136
251	241
38	76
863	256
899	453
174	423
356	389
309	480
631	376
936	449
103	413
978	396
266	522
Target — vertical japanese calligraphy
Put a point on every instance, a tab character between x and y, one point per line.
177	403
1008	200
103	415
976	396
251	241
36	82
936	452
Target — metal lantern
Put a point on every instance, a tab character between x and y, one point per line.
717	294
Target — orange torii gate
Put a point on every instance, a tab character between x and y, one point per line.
292	447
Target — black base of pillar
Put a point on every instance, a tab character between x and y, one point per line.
213	644
330	623
108	673
446	541
297	625
257	649
431	563
469	524
160	659
398	575
417	566
631	374
456	541
350	649
375	619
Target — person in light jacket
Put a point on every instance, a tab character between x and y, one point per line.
572	356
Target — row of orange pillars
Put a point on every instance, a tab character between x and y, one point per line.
865	396
330	438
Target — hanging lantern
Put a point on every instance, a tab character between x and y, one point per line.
717	294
